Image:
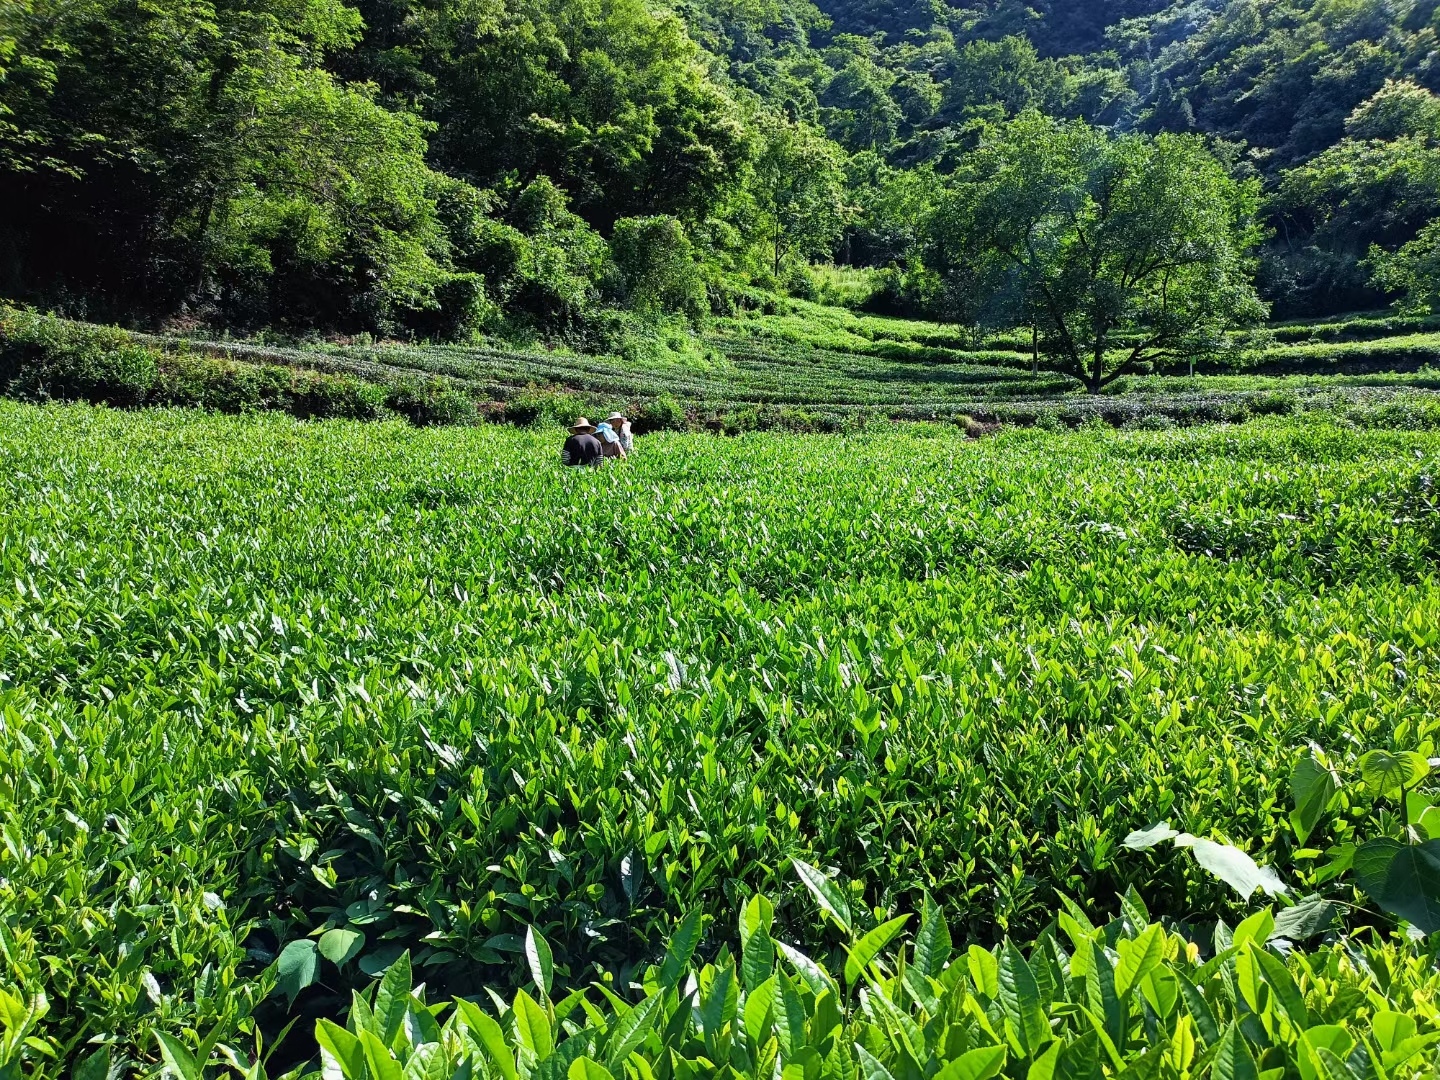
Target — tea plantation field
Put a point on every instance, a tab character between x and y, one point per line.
839	363
803	368
421	691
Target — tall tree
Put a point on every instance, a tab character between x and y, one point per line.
1129	249
613	101
1413	271
1331	211
198	152
799	185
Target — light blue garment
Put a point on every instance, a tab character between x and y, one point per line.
607	433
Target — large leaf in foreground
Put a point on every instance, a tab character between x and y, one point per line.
1410	885
1233	866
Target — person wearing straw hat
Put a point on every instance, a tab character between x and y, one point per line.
582	448
621	427
610	441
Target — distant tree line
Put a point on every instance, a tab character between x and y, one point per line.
582	169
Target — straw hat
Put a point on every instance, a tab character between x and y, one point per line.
583	427
613	417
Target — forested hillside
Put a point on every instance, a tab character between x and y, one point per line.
584	169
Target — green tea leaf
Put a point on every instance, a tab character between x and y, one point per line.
1132	907
681	948
757	959
379	1061
532	1025
826	1018
557	1065
1080	1059
1251	981
344	1049
1200	1011
984	971
758	914
629	1031
1330	1066
932	943
1256	927
1100	994
863	953
94	1066
814	976
789	1017
177	1058
541	960
587	1068
832	901
870	1066
758	1004
392	1000
1138	957
1020	1001
1233	1059
1392	1029
979	1064
426	1062
1331	1037
1283	984
1044	1066
719	1004
361	1017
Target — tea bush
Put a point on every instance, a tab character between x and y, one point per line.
425	689
43	358
1130	997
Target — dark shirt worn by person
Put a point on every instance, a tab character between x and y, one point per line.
581	450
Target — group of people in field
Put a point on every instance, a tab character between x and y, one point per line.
592	444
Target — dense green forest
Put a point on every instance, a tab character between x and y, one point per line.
1126	177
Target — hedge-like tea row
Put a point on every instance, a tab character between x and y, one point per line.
1128	998
43	358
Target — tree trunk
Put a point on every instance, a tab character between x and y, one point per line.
1096	378
1034	350
778	235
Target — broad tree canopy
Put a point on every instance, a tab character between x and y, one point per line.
1128	249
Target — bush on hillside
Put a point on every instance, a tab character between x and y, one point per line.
547	407
663	413
47	359
42	358
430	403
658	273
